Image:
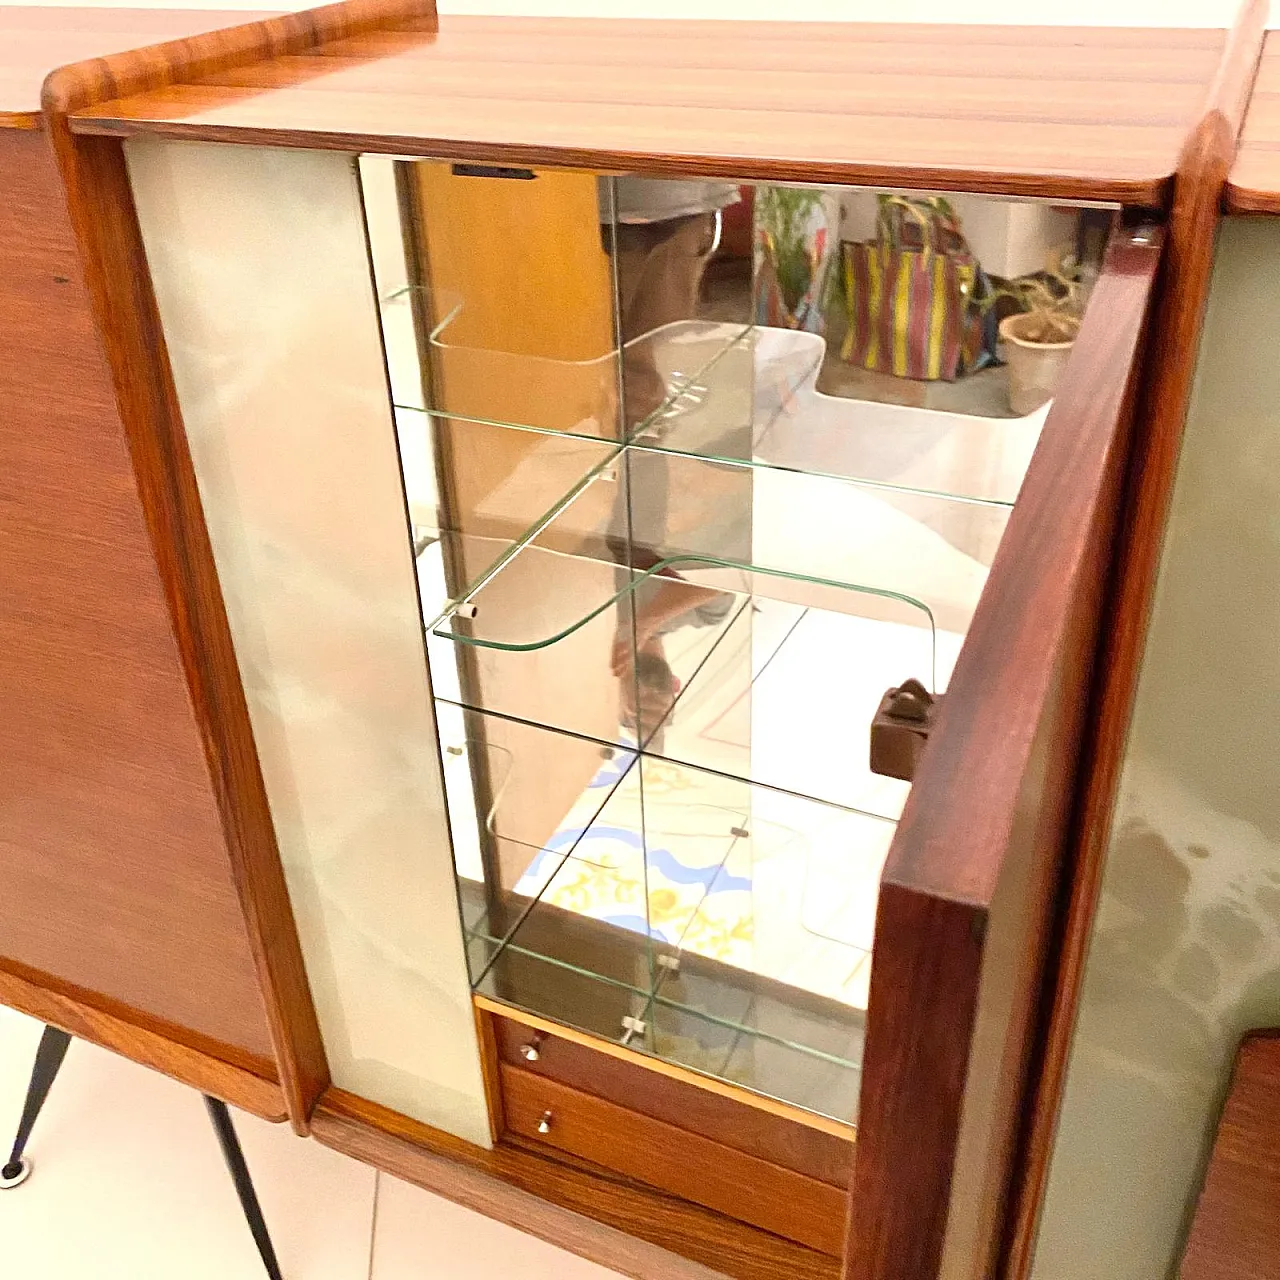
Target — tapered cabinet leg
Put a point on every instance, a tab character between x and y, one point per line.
49	1056
234	1157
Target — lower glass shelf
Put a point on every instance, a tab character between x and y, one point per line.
726	917
784	1044
775	691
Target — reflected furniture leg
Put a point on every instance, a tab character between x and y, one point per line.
234	1157
49	1056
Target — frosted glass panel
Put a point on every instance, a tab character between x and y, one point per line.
261	273
1185	953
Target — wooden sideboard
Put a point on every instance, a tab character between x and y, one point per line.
143	899
122	915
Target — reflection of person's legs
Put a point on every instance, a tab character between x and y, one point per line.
660	268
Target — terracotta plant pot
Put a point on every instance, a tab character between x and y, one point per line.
1035	368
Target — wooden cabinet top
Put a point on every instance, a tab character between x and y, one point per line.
1254	185
33	41
1063	113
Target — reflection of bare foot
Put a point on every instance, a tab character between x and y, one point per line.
665	598
647	694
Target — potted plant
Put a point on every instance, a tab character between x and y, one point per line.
1039	334
794	244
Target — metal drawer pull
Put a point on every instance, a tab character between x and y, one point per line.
530	1052
544	1125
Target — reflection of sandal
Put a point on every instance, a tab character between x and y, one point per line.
653	672
653	676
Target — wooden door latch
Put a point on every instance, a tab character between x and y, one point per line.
901	728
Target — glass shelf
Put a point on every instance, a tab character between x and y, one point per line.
715	910
507	388
762	674
712	522
748	395
767	1037
758	404
751	696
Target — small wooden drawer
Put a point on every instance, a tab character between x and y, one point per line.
750	1127
681	1163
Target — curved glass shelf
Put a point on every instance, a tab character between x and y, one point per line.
759	405
738	394
640	512
472	382
676	899
666	573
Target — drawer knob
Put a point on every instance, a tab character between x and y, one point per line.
544	1125
530	1052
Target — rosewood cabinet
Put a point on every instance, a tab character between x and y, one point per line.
122	908
535	593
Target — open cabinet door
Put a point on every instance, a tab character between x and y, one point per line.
968	895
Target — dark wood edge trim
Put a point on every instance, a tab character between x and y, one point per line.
1250	201
1007	665
589	1211
1149	192
490	1069
1161	415
913	1092
100	203
35	996
96	80
948	861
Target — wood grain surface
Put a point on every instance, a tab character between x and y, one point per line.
1103	116
113	870
968	892
152	1043
98	198
1166	389
1253	185
1236	1231
674	1160
578	1206
733	1117
100	203
34	40
81	85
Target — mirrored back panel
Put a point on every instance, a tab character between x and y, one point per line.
698	475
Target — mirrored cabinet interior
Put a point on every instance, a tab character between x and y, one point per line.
672	551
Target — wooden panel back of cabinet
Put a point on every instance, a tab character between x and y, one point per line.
113	870
1236	1232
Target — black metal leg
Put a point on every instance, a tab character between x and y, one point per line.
234	1157
49	1056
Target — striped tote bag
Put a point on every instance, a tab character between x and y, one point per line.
918	304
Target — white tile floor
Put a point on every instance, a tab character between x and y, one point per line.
129	1184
